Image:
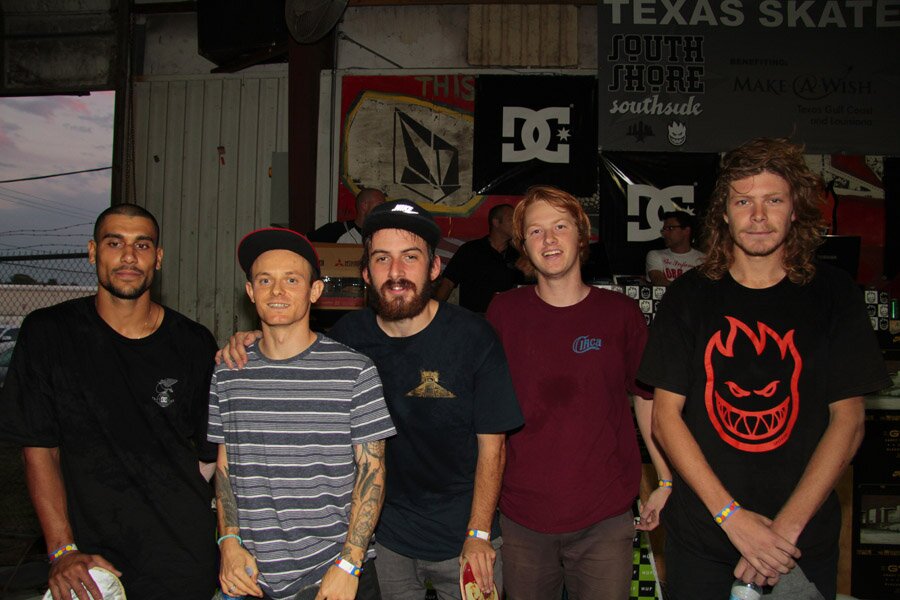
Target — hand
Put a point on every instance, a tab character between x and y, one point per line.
237	571
70	574
233	354
337	585
765	550
745	572
651	509
481	556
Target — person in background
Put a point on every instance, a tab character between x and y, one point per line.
300	477
107	394
574	470
760	358
664	266
349	232
483	267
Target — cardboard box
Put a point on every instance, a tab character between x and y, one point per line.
339	265
339	260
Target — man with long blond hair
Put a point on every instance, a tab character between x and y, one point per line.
760	358
573	470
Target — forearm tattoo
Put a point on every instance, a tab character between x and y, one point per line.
225	496
368	493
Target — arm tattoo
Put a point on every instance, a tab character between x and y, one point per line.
368	493
225	496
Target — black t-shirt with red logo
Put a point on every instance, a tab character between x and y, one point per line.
759	369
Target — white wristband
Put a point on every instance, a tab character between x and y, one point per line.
349	567
481	535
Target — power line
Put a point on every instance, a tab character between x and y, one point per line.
56	175
63	205
32	204
22	231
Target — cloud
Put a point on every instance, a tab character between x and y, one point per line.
48	106
55	134
103	120
79	128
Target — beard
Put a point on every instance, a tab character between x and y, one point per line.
398	309
126	293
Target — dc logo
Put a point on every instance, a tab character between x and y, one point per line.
648	203
536	135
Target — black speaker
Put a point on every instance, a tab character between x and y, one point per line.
230	31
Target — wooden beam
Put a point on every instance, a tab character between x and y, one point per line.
464	2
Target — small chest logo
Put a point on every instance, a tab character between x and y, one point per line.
165	395
430	388
584	344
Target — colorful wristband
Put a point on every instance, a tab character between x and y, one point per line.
56	554
230	535
727	512
481	535
349	567
665	483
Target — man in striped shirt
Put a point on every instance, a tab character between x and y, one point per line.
300	478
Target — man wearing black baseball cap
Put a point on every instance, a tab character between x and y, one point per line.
448	388
449	391
324	402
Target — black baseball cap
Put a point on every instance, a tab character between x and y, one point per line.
406	215
275	238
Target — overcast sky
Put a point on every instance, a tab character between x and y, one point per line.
44	136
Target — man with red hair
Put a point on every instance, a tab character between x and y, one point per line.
760	358
573	471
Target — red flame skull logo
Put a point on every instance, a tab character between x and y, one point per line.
752	380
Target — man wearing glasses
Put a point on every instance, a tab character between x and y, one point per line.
664	266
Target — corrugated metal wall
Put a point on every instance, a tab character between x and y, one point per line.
202	151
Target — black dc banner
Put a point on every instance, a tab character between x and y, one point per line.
535	130
636	188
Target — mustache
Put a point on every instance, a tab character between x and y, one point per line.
405	284
135	269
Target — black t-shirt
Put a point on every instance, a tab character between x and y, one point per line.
129	417
759	368
443	386
481	272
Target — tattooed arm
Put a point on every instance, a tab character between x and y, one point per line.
237	571
365	508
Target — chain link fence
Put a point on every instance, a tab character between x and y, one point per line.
32	281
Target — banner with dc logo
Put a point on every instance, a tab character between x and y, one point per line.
535	130
637	188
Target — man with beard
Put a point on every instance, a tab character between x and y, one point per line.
760	358
449	393
108	397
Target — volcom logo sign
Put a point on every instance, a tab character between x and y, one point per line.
536	137
647	203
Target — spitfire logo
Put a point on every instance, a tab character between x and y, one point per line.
649	203
752	396
536	137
